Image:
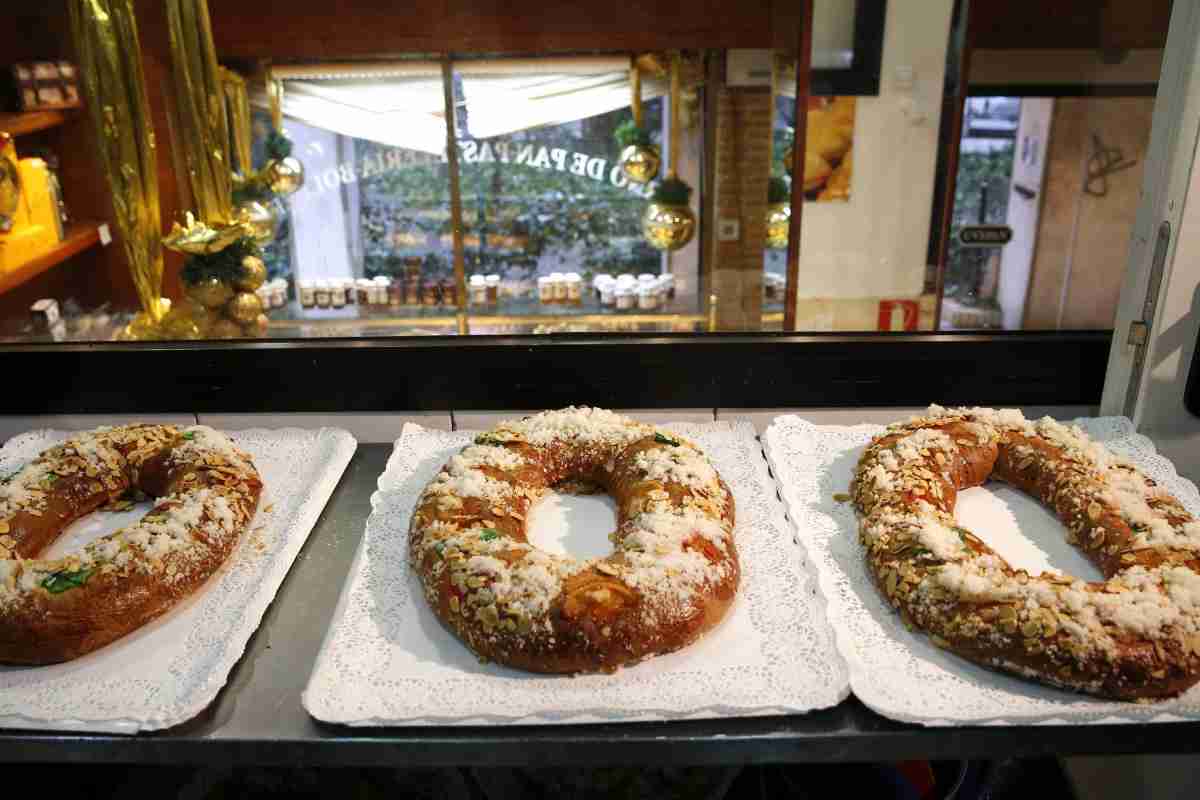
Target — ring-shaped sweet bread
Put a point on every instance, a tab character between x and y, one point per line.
55	610
1134	635
672	576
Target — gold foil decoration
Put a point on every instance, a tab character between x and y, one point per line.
237	103
200	110
198	239
275	100
110	69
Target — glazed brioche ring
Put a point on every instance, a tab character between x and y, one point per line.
1135	635
672	576
57	610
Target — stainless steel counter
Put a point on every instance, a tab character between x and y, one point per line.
257	718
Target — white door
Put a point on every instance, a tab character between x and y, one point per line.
1024	207
1157	322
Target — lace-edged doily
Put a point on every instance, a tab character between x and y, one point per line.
170	669
387	660
900	673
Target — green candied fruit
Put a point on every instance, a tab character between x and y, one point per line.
61	581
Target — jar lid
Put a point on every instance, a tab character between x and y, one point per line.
492	279
477	280
544	279
645	276
572	277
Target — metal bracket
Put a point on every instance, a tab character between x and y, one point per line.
1139	330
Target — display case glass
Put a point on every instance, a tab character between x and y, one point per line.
845	167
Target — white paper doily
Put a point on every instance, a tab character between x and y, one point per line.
900	673
169	670
387	660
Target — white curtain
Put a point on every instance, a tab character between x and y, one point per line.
499	104
401	111
402	104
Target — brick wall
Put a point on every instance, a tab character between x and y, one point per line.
743	169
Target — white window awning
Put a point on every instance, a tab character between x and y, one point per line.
402	103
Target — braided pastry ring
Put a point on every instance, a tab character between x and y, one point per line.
672	576
57	610
1135	635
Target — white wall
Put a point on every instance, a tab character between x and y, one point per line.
875	244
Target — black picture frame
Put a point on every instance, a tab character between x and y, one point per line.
862	77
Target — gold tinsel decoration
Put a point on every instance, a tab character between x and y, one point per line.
110	69
200	110
237	105
211	106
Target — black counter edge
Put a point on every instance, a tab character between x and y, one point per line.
486	372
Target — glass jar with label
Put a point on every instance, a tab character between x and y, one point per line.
648	296
279	294
429	293
478	290
307	295
624	297
337	295
412	293
412	268
492	282
666	286
322	294
599	281
449	293
545	290
574	285
558	287
395	292
606	288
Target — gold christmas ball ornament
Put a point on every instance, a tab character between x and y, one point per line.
254	273
668	226
142	328
285	176
259	219
779	215
225	328
178	323
258	327
244	307
208	292
640	163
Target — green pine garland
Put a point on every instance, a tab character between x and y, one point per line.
278	146
628	133
255	188
672	191
225	265
778	191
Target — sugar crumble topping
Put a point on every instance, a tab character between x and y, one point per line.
200	517
951	584
509	587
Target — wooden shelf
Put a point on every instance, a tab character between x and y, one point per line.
34	121
79	237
